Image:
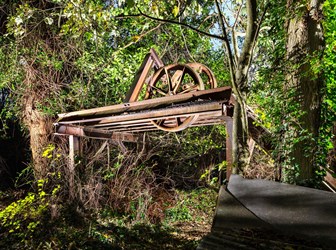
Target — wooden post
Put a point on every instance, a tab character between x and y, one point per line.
73	151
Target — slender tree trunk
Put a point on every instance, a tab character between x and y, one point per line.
304	39
240	139
240	123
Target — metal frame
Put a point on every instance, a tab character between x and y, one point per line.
152	60
123	122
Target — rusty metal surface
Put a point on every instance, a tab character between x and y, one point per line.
228	146
208	112
174	79
168	81
205	107
222	94
202	69
175	99
95	133
151	60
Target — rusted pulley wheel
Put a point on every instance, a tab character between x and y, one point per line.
173	80
205	73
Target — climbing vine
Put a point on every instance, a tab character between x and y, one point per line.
279	103
329	69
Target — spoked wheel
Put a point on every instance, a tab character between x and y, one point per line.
172	80
205	73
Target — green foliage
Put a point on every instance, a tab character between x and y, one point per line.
329	68
202	140
81	227
179	213
48	151
23	217
82	55
191	205
278	105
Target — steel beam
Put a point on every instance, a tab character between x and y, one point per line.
219	94
95	133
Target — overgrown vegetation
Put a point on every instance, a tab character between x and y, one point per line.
60	56
282	106
121	207
125	196
327	138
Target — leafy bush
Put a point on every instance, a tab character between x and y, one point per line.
22	217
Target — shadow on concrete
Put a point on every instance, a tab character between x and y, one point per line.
275	215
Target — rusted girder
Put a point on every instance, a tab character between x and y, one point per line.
219	94
95	133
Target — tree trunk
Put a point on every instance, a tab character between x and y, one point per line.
239	64
39	131
239	139
304	39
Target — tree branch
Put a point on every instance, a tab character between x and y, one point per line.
257	31
227	46
234	35
181	24
205	19
251	31
139	37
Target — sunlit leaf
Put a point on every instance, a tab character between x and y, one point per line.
135	38
18	20
175	11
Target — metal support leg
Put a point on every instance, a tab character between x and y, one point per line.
73	151
229	161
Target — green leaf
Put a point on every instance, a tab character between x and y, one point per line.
175	11
130	3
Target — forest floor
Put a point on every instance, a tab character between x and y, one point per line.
184	225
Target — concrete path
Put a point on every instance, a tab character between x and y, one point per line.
259	214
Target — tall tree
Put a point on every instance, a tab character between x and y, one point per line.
239	23
239	63
328	129
304	41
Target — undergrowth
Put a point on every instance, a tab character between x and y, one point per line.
120	196
185	223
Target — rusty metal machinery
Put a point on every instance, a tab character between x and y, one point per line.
162	97
177	79
169	98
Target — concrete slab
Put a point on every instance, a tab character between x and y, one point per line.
236	228
231	214
292	209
